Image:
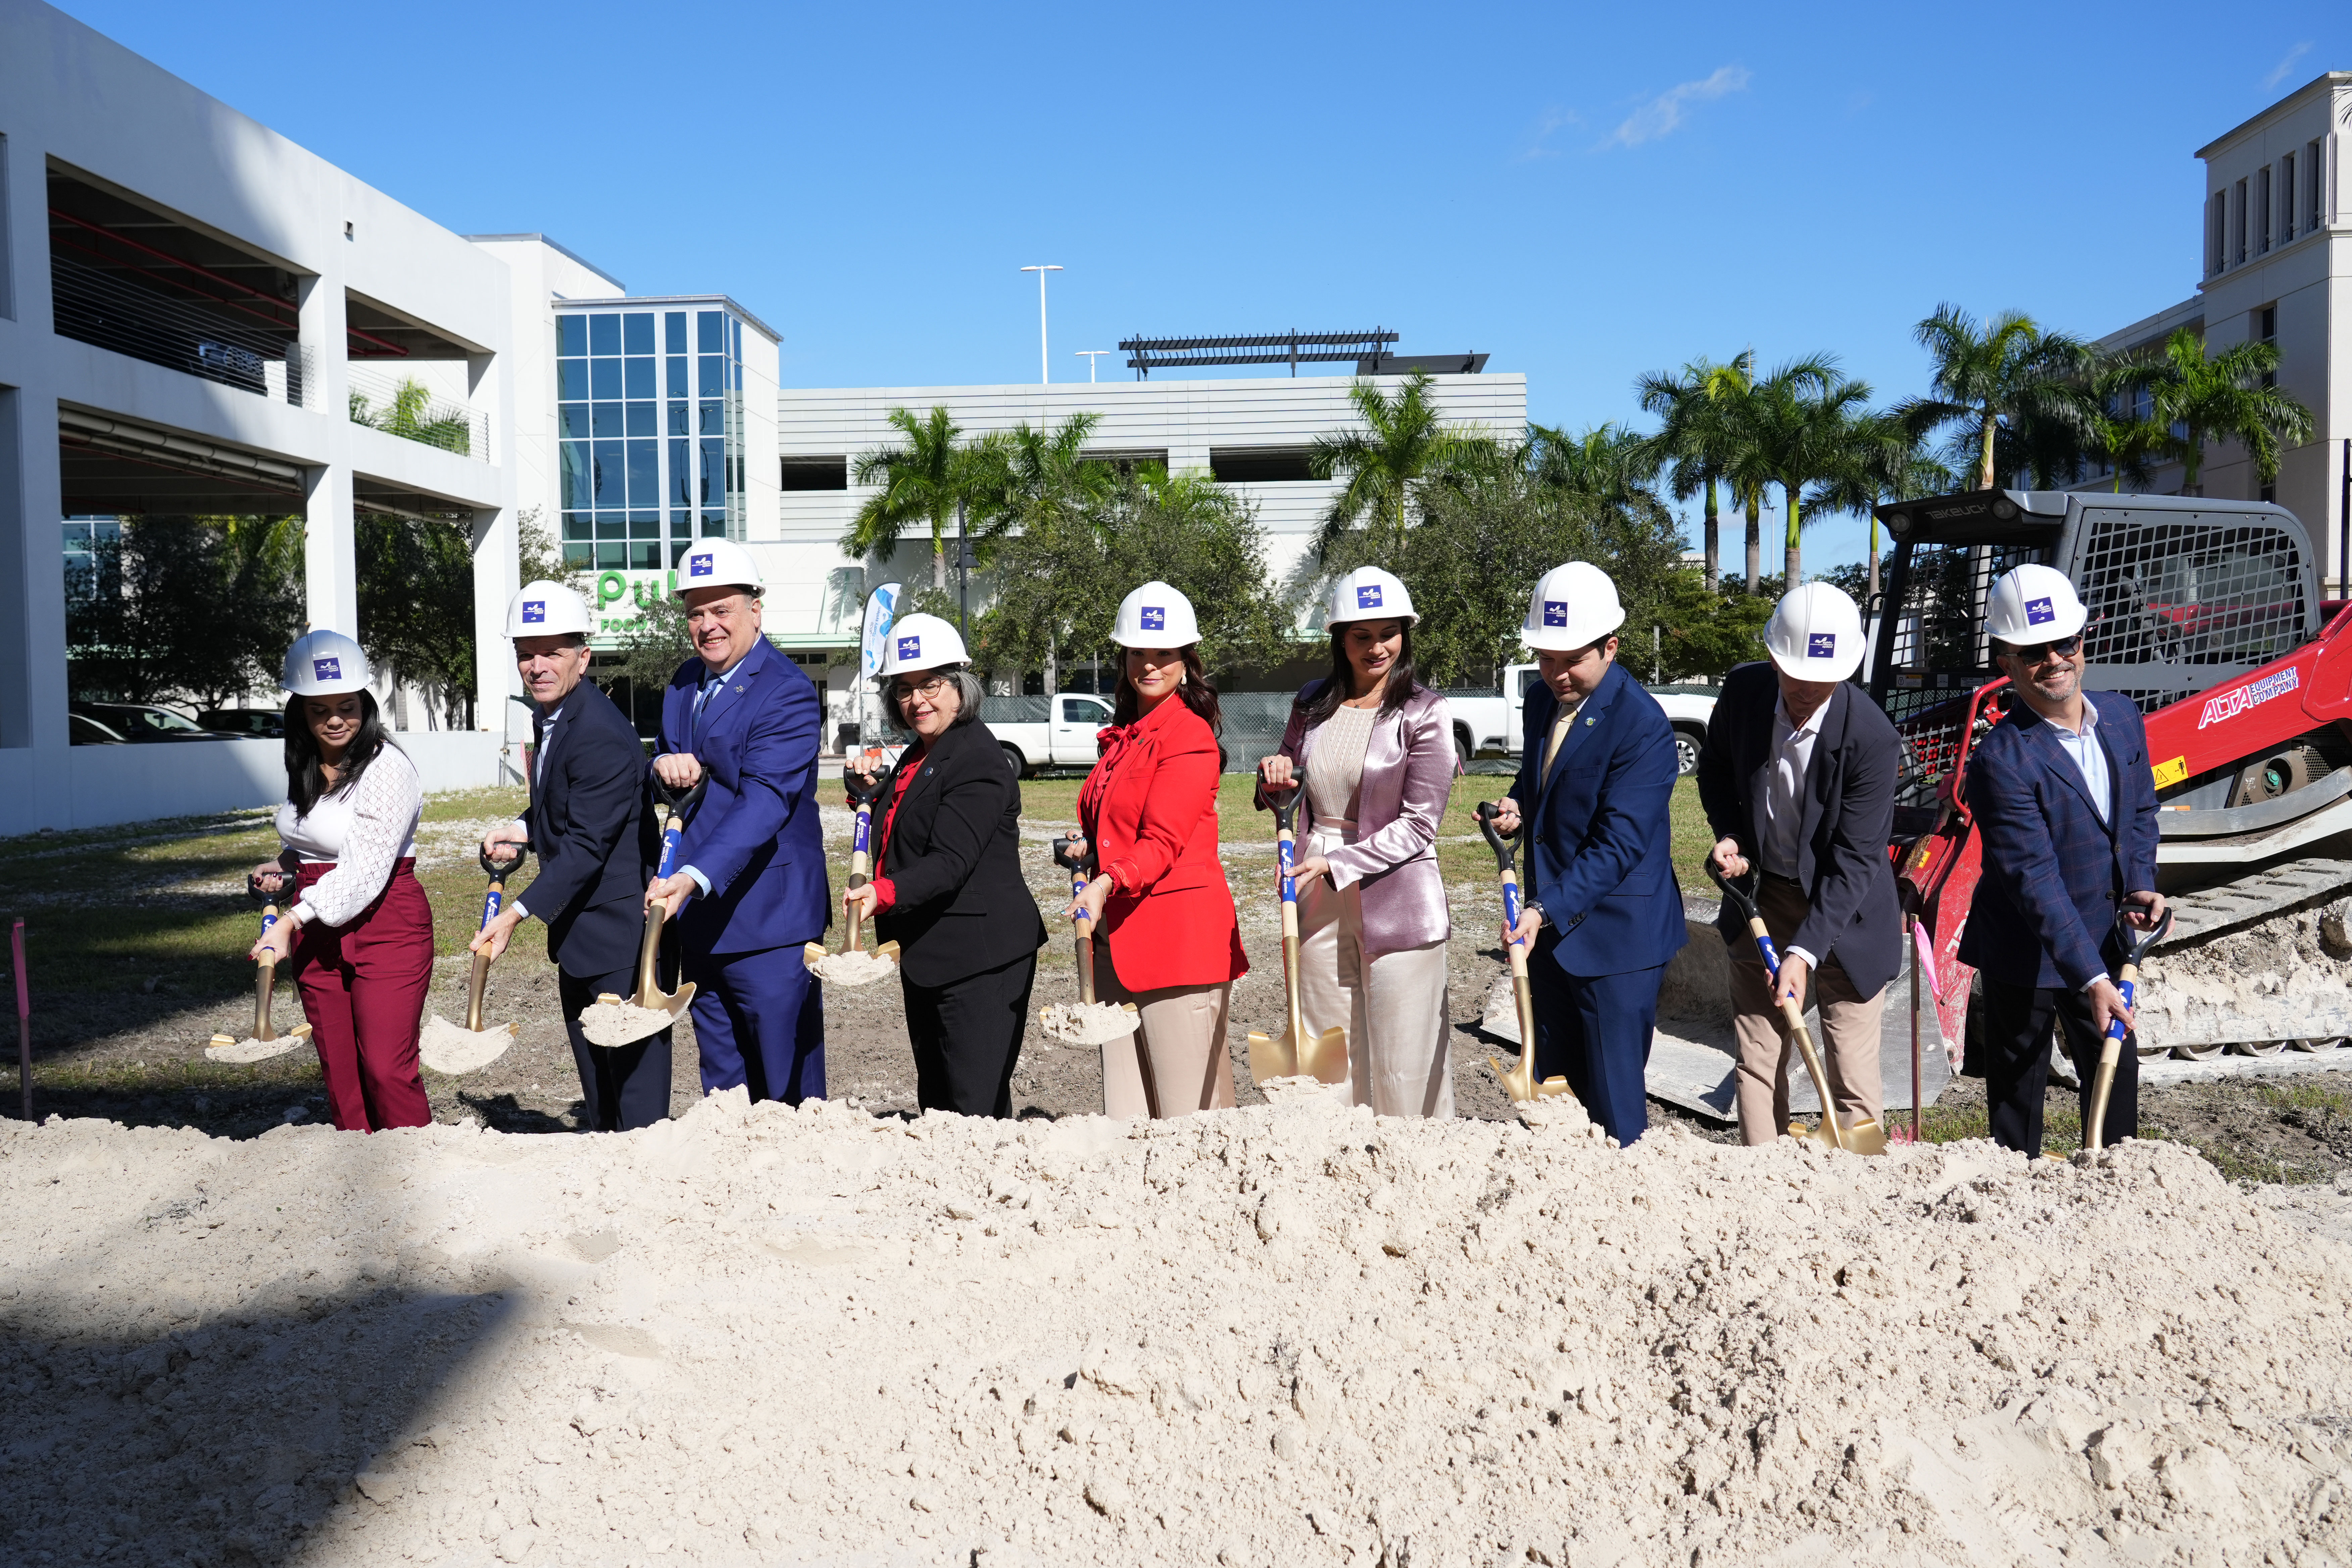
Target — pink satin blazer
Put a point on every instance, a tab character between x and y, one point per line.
1409	766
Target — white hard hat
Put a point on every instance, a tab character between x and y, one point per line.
2033	605
1368	593
1815	633
1573	606
719	564
544	609
322	663
1155	615
921	642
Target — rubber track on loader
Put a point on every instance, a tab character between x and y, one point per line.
2209	911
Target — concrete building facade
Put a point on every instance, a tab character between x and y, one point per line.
2276	265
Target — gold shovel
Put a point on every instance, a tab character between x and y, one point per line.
2136	945
864	790
264	986
1325	1056
1518	1083
1865	1137
650	996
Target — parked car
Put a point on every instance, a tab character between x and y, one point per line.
138	721
256	723
1065	739
87	731
1489	721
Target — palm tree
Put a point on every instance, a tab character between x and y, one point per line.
1402	444
1034	473
1607	464
923	480
1696	405
2226	398
1891	464
2001	376
2121	436
1807	423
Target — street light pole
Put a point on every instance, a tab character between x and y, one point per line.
1044	376
1090	356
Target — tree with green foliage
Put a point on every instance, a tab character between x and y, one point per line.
1401	450
2003	377
2231	396
193	609
922	480
1889	464
1695	406
1808	424
417	605
411	415
1059	580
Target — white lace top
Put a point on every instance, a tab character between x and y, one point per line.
365	831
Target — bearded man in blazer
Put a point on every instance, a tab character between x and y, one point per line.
1797	779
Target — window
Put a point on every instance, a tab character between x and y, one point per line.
626	467
90	545
803	473
1259	465
2266	331
2216	232
2240	249
2286	198
2313	213
2262	210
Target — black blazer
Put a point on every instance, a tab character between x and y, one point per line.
953	858
594	835
1849	815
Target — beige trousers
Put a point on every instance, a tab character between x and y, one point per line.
1849	1042
1393	1004
1176	1063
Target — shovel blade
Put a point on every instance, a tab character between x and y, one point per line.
1327	1057
814	953
1271	1058
1861	1138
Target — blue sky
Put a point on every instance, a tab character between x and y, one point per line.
1583	192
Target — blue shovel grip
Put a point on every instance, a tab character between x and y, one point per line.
860	842
1772	955
668	867
1289	887
2115	1026
490	903
1511	907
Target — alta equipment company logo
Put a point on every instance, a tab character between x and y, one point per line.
2230	704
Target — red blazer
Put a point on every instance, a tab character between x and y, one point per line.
1149	809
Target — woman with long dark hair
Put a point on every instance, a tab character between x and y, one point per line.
1374	749
1149	813
361	933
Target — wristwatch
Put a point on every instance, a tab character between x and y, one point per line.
1537	909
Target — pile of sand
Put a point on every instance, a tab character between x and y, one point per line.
1085	1023
1289	1333
249	1049
621	1023
453	1048
852	968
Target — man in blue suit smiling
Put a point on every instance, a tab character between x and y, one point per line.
744	717
1596	776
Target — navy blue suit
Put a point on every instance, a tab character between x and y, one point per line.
588	827
2043	924
757	1015
1601	862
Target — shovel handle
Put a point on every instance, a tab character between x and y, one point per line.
474	989
2111	1053
1793	1012
648	956
1506	846
1285	847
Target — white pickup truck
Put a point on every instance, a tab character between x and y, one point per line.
1489	721
1065	738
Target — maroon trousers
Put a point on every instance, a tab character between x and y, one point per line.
364	988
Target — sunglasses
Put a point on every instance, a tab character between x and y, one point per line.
2033	653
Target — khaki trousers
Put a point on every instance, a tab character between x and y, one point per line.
1849	1042
1176	1063
1393	1004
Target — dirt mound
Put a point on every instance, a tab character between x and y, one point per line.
1289	1332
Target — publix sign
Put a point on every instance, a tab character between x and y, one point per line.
618	598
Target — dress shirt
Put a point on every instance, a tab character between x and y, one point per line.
712	679
538	779
1779	792
2090	758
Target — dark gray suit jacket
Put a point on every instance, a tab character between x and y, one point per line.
589	825
1849	816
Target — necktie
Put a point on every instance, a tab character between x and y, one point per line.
1559	728
702	701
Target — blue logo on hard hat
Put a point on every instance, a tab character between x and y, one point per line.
1555	612
2038	611
699	565
534	611
1155	618
1822	645
327	668
1368	597
911	648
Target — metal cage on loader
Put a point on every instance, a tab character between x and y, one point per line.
2207	613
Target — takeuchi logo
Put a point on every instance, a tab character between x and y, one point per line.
2230	704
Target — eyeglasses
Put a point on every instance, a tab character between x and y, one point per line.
2035	653
928	690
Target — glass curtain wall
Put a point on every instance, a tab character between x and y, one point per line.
650	416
